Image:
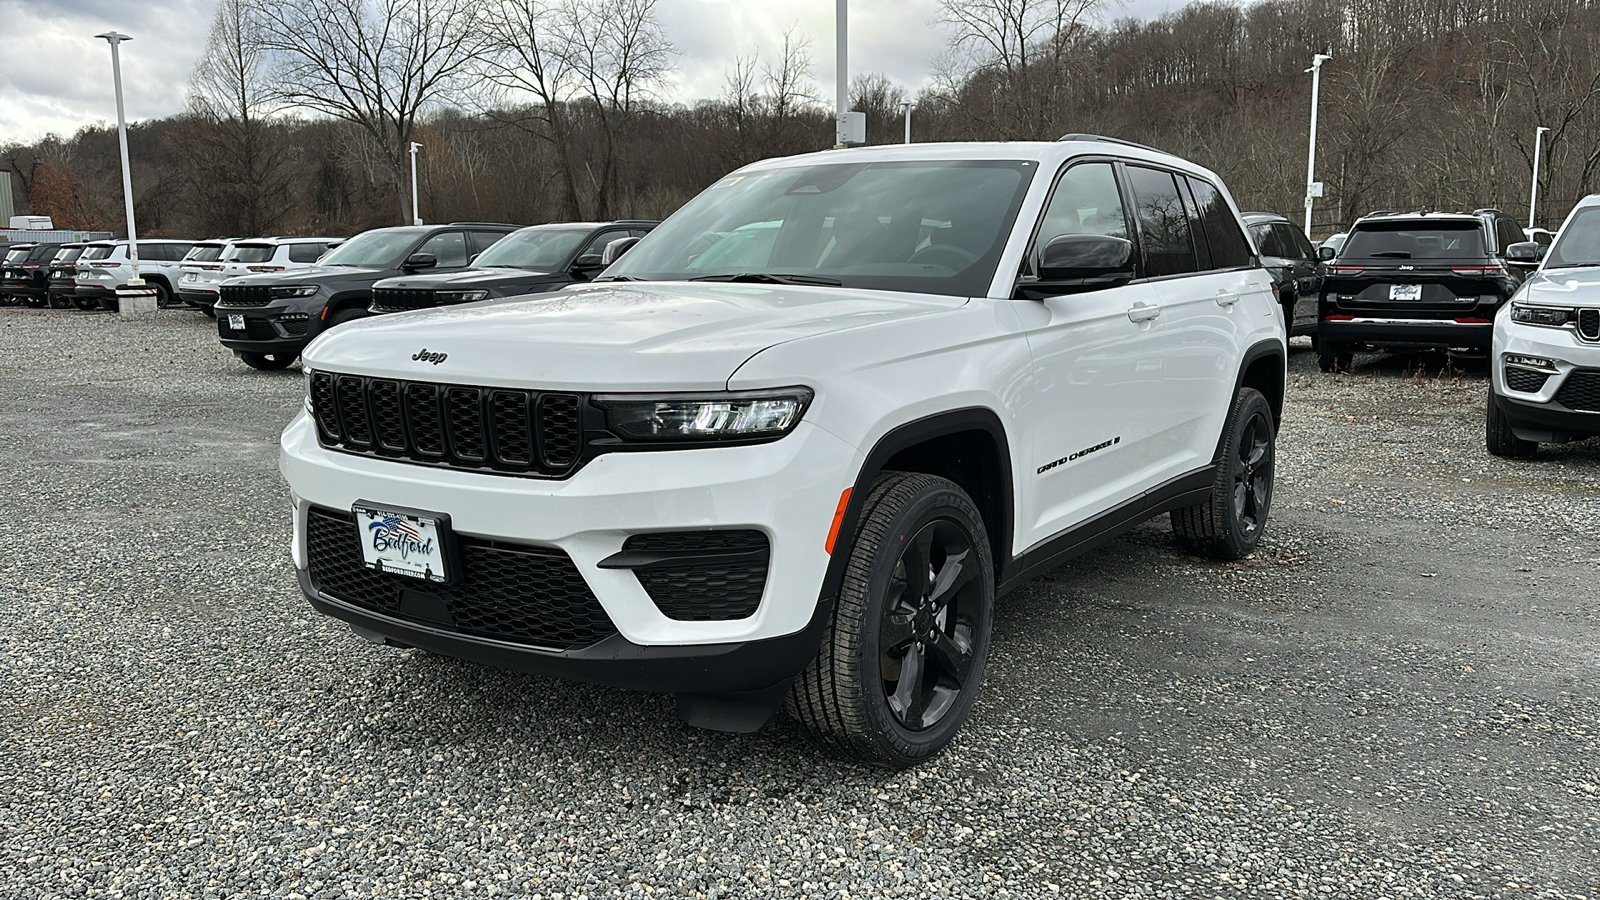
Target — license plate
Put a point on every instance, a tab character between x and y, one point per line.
1405	292
404	542
236	322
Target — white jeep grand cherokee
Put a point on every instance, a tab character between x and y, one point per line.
790	449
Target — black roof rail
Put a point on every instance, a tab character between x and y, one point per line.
1075	136
496	224
1382	212
1487	209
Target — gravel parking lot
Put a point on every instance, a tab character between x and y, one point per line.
1395	697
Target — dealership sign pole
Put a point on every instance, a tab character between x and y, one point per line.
114	38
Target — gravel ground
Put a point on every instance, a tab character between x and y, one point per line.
1395	697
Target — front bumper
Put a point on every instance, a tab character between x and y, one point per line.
1386	332
787	489
266	329
1540	415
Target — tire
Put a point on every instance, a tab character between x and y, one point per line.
268	362
1500	439
1333	357
845	700
164	296
85	303
1229	524
343	316
210	313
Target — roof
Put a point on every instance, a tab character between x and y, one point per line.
1046	153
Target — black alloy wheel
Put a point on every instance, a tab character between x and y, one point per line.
1252	476
1229	524
925	635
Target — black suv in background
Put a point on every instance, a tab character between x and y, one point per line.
61	280
1287	253
535	259
1419	279
24	276
266	320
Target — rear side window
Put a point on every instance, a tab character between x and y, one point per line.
1163	223
1294	242
1507	233
1229	249
1266	239
483	240
252	253
153	252
306	253
67	254
1416	240
97	253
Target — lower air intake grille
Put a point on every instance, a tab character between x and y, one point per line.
1525	380
517	432
1589	324
1581	391
507	592
707	576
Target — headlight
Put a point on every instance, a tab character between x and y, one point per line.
299	290
461	296
1552	316
730	415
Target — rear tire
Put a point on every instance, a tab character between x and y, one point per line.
85	303
1500	439
1229	524
268	362
1332	357
902	658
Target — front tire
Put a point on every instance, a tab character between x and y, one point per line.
267	362
1500	439
1332	357
902	659
1228	525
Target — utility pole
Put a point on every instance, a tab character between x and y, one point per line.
1313	189
906	105
114	38
416	219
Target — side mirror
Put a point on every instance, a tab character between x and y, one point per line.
421	261
1325	253
1524	252
1095	258
616	248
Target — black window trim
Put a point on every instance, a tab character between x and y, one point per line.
1030	267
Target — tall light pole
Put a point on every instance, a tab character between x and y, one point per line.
1311	155
415	218
1533	196
114	38
906	105
841	65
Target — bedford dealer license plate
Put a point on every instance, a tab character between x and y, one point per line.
1405	292
405	542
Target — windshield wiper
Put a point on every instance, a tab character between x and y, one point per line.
770	278
1392	254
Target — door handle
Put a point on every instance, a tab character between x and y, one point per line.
1226	297
1143	312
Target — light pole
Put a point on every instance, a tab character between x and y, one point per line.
906	105
415	218
1311	155
114	38
841	65
1533	195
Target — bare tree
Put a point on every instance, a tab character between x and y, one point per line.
1022	46
378	64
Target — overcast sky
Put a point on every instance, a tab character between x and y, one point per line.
55	77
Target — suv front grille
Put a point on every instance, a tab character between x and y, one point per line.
507	592
1589	324
707	576
397	300
531	433
1526	381
1581	391
246	295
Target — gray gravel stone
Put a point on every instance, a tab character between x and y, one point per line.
1394	697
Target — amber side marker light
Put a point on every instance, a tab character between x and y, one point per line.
838	519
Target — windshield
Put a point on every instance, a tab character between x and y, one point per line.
1578	244
100	252
380	248
540	248
254	253
18	255
67	254
1416	240
204	253
926	226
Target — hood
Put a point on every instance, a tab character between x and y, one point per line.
1562	287
313	275
625	337
467	278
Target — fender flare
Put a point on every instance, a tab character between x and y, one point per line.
1257	351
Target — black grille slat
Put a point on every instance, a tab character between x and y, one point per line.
559	430
1581	391
427	426
507	592
350	395
388	420
1526	381
708	590
244	296
463	410
512	427
1589	324
322	404
399	300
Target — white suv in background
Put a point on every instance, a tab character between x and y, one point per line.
202	270
277	254
796	464
1545	379
104	266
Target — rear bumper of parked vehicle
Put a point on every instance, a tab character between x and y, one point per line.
1400	332
588	517
198	299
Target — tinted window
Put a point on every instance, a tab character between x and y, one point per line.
1508	233
204	253
153	252
932	226
1229	249
1266	238
67	254
483	240
1163	223
99	252
306	253
1579	241
1416	240
541	249
1085	201
381	247
252	253
594	249
448	247
18	254
1293	242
